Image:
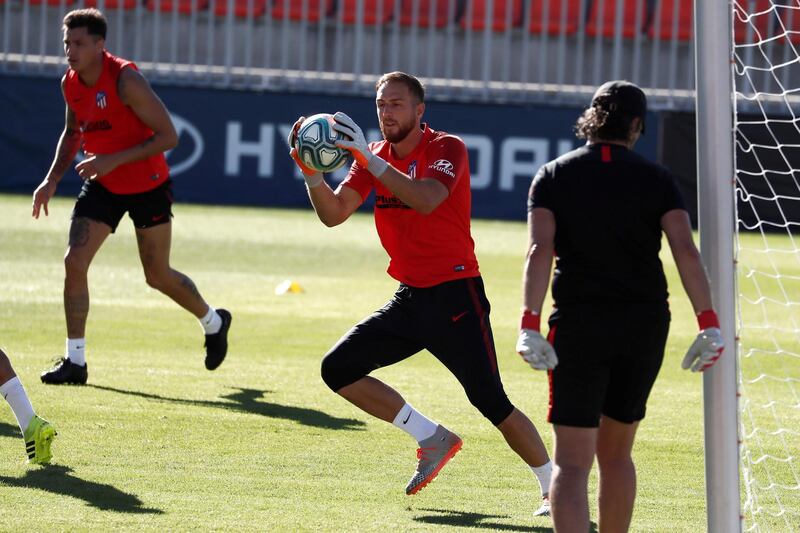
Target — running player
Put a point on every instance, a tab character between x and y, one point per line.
422	214
601	209
37	432
125	129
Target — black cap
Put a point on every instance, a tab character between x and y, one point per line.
621	96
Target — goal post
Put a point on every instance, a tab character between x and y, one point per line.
716	216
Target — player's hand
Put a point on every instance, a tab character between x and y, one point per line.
536	351
358	145
312	177
42	195
95	166
704	351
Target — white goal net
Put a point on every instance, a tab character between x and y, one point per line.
766	74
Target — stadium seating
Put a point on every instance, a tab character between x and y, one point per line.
313	10
791	21
114	4
475	18
370	10
555	7
240	8
609	14
51	2
184	6
685	20
441	9
762	15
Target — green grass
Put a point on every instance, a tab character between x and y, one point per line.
155	442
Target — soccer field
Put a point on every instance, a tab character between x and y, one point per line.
155	441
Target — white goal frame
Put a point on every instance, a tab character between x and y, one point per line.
717	224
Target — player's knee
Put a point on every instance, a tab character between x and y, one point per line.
336	373
494	406
74	264
155	280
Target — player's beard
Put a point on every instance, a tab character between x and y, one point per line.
401	131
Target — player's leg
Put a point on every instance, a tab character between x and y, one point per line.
151	213
573	456
96	214
86	236
382	339
460	336
617	474
37	433
633	372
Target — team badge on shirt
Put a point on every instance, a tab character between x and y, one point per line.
102	101
412	169
444	166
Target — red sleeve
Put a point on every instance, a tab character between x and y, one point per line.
360	180
447	161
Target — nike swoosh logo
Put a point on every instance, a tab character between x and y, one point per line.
406	420
457	317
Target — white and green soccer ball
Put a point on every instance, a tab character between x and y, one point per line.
315	144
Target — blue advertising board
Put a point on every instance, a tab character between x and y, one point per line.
232	147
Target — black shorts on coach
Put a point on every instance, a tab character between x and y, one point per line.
146	209
450	320
608	359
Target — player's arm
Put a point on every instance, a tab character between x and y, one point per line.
531	345
539	259
423	195
136	93
678	229
68	145
709	344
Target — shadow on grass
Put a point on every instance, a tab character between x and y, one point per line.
250	401
9	430
449	517
58	479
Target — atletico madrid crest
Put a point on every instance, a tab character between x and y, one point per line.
102	101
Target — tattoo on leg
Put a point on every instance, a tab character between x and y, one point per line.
79	232
76	307
188	284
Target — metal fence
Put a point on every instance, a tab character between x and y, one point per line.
553	51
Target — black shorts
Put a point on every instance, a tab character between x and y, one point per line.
451	320
146	209
608	360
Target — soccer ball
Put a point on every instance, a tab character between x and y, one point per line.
315	144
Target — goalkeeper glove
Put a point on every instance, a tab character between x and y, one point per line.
534	348
312	177
708	346
358	146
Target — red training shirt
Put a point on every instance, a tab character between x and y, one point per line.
424	250
107	125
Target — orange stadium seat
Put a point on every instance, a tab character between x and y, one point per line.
441	9
240	8
295	12
478	14
685	20
609	15
370	11
51	2
791	21
555	8
755	17
114	4
184	6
